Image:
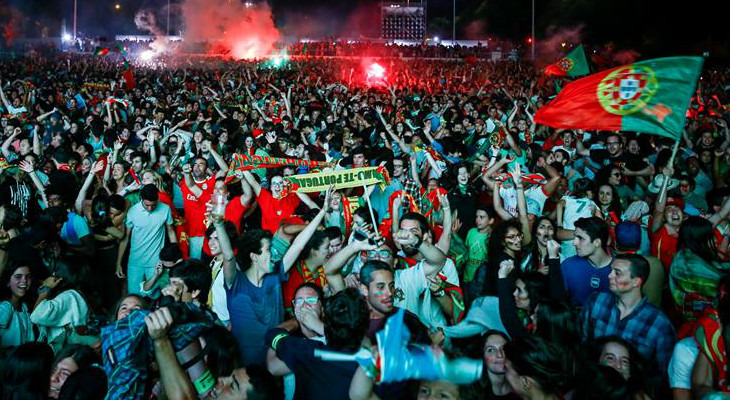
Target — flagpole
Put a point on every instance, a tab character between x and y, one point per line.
674	152
370	207
533	30
665	182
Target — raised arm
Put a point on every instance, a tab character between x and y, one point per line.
303	237
433	257
30	170
333	266
190	182
661	202
497	203
307	200
229	258
79	203
221	163
37	148
174	380
444	242
522	205
248	176
6	144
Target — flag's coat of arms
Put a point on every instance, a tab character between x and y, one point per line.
627	90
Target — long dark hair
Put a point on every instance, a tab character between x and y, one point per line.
615	205
696	235
26	372
534	248
557	323
544	362
71	270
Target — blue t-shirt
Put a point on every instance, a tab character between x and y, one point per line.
581	279
253	311
74	229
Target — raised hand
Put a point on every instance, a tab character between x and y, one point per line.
505	268
553	248
26	166
97	167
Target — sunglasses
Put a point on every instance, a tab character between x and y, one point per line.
379	253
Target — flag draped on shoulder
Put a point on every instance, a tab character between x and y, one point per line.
573	64
650	96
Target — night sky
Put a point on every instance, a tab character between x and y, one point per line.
648	26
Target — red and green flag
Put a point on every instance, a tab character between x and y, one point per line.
101	51
650	96
573	64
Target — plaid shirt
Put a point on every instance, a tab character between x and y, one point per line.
646	328
127	351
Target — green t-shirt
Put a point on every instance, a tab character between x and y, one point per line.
476	242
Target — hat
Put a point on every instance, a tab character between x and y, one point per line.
656	185
257	133
675	201
635	211
628	236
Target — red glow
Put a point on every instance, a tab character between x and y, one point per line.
529	40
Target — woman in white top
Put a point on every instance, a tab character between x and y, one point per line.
15	325
61	312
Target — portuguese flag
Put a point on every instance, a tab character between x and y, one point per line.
574	64
100	51
649	96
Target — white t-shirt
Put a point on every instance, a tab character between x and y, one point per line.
683	360
535	198
576	209
15	327
219	301
417	296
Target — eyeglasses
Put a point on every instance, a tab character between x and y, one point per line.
610	143
514	236
309	300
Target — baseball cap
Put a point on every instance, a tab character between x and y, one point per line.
628	236
675	201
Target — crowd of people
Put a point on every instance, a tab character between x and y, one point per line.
141	258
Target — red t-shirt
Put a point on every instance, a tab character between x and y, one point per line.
664	246
234	212
195	207
274	210
165	199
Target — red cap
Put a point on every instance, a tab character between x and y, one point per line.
675	201
257	132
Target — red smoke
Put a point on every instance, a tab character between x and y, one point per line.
239	30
